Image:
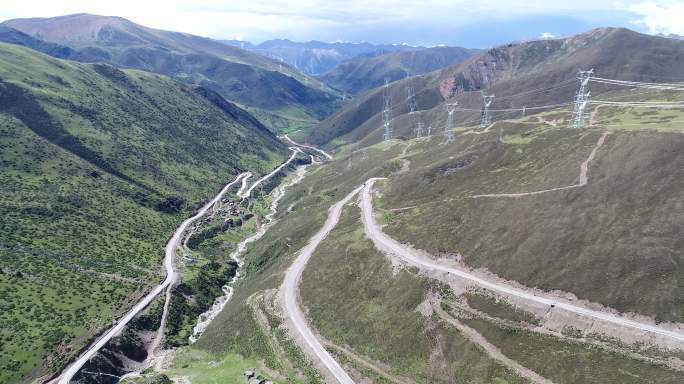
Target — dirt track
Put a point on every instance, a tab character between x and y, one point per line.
583	176
289	289
423	260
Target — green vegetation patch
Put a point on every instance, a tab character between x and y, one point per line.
97	167
200	367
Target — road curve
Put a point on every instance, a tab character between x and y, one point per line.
390	246
289	292
171	276
245	194
322	152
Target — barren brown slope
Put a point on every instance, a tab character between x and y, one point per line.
527	74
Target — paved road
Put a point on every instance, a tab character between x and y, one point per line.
171	275
289	291
245	194
418	258
322	152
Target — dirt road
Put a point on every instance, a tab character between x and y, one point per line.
171	275
422	260
289	295
583	176
322	152
245	194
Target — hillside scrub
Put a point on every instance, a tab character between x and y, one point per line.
95	173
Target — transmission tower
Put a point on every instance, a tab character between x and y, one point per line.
410	100
581	99
485	119
448	129
412	106
420	127
387	112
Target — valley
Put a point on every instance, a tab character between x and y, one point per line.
181	209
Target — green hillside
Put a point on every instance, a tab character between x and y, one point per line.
250	79
98	165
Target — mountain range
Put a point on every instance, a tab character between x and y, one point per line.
440	239
544	73
284	97
317	57
360	74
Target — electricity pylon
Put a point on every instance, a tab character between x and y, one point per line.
448	129
419	129
387	112
485	119
410	100
412	106
581	99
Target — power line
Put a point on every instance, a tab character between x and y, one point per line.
666	105
666	86
523	108
562	84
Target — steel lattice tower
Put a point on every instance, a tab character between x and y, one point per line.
420	127
448	129
485	119
387	112
581	99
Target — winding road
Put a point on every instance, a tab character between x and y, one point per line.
171	275
289	293
207	317
245	194
322	152
422	260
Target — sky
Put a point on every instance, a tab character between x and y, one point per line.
469	23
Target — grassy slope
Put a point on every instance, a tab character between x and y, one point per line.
614	241
235	329
355	299
90	155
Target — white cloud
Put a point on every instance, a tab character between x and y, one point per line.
547	35
323	19
661	16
